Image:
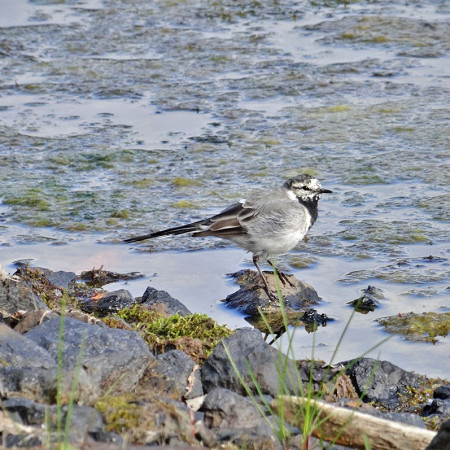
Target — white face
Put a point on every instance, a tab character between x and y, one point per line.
307	189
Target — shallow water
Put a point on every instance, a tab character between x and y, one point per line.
123	116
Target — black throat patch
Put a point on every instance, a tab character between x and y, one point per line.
312	205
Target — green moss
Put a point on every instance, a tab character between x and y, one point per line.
426	327
195	334
121	413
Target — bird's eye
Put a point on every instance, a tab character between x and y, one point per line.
306	188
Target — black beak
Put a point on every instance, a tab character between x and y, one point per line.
325	191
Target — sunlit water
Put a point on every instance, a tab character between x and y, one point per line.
120	117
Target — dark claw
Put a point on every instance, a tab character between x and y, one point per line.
285	279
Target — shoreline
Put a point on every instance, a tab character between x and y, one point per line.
124	360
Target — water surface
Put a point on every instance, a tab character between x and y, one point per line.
122	116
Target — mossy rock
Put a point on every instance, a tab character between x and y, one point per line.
195	334
425	327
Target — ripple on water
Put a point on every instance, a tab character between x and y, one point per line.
116	119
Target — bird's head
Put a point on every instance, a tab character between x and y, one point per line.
305	187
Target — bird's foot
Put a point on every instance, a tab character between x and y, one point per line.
284	278
273	297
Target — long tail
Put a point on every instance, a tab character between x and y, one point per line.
176	230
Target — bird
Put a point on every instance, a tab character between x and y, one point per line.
267	223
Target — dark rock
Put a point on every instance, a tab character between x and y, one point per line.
109	356
110	302
176	373
248	351
274	323
18	351
85	423
25	411
226	409
34	383
368	301
97	278
60	278
16	295
438	407
163	302
252	296
442	439
382	381
442	392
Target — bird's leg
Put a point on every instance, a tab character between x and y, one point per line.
270	294
282	276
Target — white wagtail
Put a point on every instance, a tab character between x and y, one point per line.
266	224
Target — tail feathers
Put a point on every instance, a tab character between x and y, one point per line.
170	231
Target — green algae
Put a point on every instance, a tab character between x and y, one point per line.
182	182
425	327
31	198
184	204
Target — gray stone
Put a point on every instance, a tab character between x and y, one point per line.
18	351
39	384
86	423
176	372
110	357
110	302
248	351
226	409
16	295
25	411
438	407
60	278
163	301
382	381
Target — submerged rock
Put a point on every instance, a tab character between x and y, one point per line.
368	300
274	323
252	296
